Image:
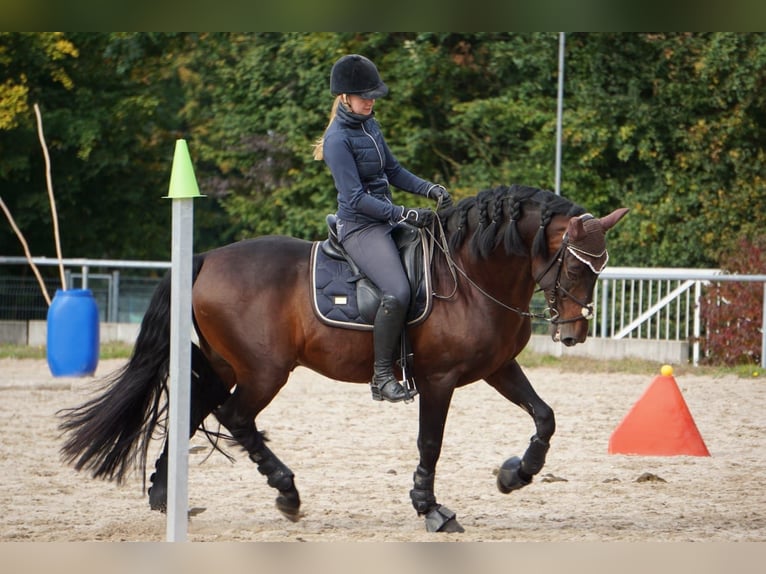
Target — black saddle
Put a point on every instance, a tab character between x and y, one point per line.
344	296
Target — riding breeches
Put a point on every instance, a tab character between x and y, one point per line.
373	250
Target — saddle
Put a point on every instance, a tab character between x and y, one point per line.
343	296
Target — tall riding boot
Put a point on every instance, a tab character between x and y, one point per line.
389	321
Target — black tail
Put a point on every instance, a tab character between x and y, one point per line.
110	433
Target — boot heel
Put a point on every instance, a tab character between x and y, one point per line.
376	396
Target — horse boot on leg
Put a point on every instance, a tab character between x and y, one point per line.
387	328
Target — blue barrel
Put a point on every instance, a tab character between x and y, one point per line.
73	336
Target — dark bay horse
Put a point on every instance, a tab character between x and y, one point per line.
255	322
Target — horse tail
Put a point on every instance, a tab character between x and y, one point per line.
111	432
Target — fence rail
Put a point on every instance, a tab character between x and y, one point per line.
660	304
121	297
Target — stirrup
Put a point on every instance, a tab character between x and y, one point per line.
377	394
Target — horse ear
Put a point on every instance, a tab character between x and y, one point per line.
611	220
575	229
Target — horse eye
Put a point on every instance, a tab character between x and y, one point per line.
574	269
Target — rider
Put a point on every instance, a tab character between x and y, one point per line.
362	167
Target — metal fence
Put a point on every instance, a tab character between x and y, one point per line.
629	303
660	304
122	289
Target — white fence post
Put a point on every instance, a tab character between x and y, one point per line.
697	323
763	330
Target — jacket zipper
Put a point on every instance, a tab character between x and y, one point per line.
377	149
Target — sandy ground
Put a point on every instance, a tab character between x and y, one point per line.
354	458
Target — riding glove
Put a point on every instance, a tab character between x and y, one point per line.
441	195
417	216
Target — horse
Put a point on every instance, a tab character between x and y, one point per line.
255	323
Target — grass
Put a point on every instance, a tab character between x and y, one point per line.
527	359
633	366
106	351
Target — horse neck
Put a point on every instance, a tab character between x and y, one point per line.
552	239
502	271
500	274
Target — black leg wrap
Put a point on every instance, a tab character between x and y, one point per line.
278	475
534	458
422	495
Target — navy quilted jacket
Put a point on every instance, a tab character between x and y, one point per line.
363	167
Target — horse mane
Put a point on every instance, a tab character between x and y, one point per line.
491	217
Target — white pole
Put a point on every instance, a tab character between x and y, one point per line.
560	112
180	369
697	328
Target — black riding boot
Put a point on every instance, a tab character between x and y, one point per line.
387	328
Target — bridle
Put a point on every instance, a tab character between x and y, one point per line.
553	291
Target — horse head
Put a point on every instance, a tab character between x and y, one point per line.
569	277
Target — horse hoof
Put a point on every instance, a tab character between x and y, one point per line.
452	525
158	498
508	478
442	519
160	507
289	506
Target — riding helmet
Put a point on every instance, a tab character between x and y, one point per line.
355	74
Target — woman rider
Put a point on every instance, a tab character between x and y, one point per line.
363	167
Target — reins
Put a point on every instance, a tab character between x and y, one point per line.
549	314
455	269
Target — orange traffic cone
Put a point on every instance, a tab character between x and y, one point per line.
659	423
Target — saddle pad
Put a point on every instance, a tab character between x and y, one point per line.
334	299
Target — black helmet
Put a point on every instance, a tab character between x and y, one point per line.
355	74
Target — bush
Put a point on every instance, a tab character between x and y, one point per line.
732	312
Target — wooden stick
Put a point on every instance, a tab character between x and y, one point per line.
49	181
26	251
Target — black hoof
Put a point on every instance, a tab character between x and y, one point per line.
509	477
442	519
289	504
452	525
158	495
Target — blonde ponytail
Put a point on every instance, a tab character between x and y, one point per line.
319	144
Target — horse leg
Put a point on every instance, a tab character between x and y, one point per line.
238	416
517	472
208	392
433	414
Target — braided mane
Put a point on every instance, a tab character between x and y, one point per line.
491	217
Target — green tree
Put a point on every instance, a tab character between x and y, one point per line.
670	125
109	104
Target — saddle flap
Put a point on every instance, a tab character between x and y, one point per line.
343	296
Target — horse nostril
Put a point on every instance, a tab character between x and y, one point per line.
569	341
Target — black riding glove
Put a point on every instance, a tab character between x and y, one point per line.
441	195
418	216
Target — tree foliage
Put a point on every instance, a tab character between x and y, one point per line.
670	125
